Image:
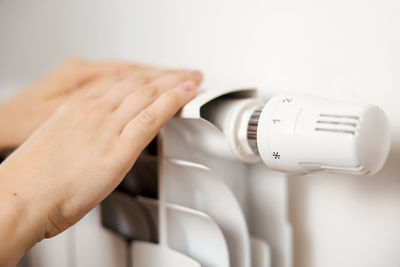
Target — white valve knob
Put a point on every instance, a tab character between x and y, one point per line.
295	133
301	133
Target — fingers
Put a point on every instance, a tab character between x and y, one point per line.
95	70
130	83
119	65
74	74
83	72
119	84
139	99
98	88
140	130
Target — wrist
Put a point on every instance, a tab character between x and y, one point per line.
21	223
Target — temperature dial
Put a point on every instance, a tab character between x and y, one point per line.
302	133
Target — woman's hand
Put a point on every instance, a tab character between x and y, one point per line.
26	111
83	151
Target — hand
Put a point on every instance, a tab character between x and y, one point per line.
26	111
83	151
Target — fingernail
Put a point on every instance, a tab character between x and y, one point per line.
196	75
188	86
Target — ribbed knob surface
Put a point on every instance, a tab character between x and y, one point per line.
252	130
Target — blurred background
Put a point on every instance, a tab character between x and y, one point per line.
343	49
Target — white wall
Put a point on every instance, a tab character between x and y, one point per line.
345	49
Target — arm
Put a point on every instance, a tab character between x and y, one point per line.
22	114
82	153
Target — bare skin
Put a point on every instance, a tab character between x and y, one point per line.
32	106
82	152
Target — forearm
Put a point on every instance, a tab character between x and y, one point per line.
20	221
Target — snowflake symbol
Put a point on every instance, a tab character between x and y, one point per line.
276	155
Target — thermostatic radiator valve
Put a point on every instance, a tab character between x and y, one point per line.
302	133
